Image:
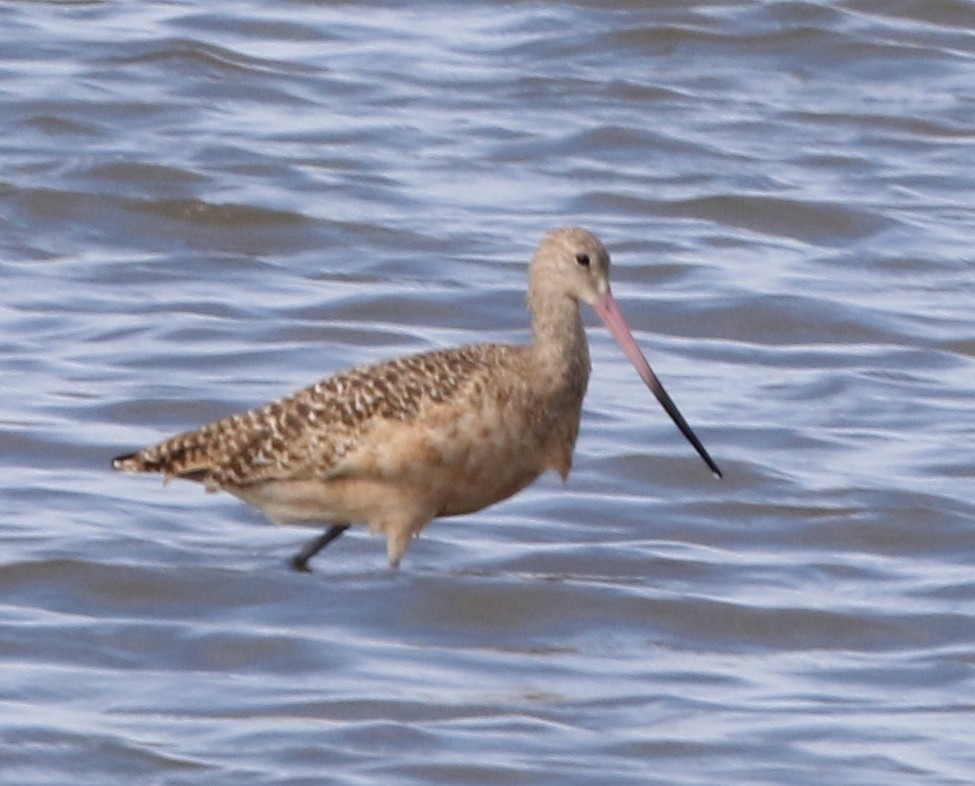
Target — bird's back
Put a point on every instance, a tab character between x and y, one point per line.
311	433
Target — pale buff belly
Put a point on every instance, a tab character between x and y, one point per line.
410	472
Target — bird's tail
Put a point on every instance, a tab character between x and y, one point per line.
132	462
179	457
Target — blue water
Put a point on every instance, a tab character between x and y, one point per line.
203	209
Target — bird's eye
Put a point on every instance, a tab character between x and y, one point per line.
582	258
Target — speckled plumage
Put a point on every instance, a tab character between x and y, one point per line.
309	433
398	443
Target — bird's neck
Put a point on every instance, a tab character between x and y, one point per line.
559	374
559	347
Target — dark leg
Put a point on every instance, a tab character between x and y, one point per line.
300	560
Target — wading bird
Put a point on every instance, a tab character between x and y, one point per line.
397	444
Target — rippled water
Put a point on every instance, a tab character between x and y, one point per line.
203	208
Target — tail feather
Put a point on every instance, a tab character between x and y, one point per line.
170	458
224	452
130	462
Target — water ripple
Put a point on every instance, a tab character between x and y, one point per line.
203	209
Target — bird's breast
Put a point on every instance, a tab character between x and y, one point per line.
463	455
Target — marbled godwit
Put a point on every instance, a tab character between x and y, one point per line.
396	444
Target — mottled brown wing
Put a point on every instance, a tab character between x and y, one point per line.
307	434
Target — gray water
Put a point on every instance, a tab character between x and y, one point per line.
204	207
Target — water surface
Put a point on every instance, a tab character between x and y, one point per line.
203	209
